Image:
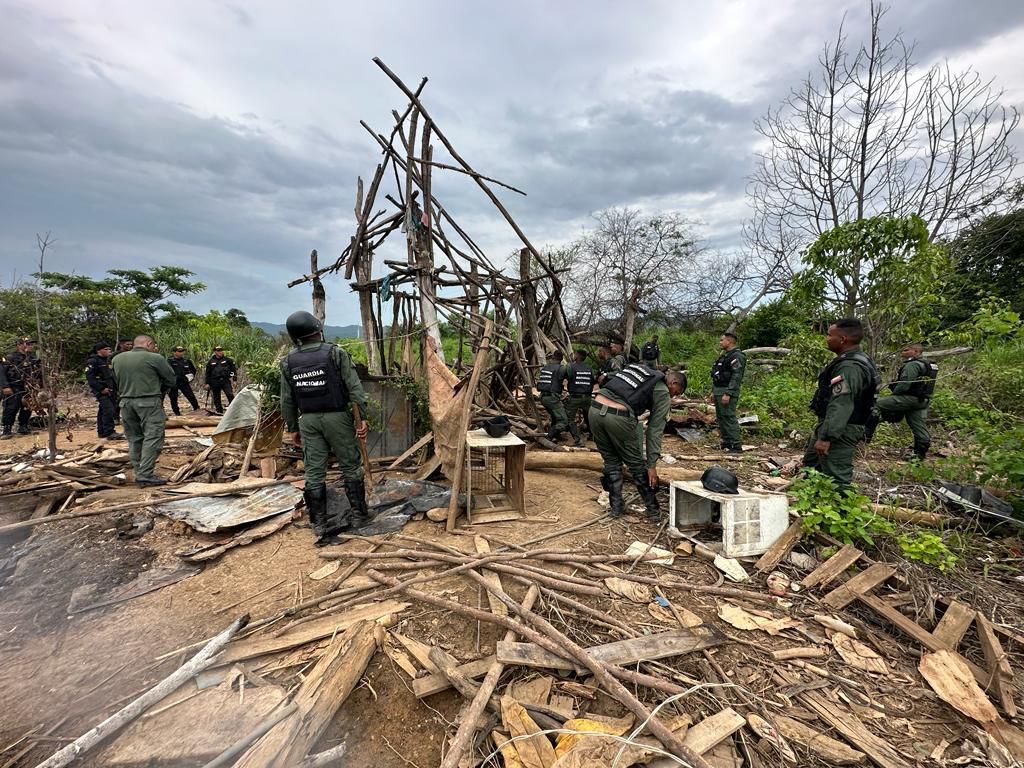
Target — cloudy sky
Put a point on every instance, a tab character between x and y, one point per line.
225	137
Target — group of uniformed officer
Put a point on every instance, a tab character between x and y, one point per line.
846	403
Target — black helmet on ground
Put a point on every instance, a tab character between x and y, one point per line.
499	426
302	325
720	480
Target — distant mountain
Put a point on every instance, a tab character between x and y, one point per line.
330	331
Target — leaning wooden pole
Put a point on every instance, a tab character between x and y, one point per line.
161	690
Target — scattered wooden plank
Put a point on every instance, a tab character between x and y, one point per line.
954	624
998	665
828	749
773	556
495	516
430	467
645	648
865	581
832	567
319	697
410	451
483	548
849	725
251	647
713	730
436	682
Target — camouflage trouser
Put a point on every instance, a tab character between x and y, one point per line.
838	462
619	438
143	419
324	434
728	426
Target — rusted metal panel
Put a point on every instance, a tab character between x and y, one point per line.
212	513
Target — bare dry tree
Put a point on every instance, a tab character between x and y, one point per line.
49	365
869	134
631	263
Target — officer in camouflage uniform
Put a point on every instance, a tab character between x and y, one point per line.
613	417
843	401
618	359
581	390
318	386
101	381
141	377
726	378
911	394
18	370
550	383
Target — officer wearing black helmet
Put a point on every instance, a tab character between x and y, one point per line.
318	386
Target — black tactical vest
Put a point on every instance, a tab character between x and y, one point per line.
100	367
315	380
634	385
182	367
581	379
721	371
865	401
550	379
924	387
650	351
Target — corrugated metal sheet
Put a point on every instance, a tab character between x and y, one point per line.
212	513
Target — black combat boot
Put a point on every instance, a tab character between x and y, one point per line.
553	435
575	432
6	435
614	487
921	450
356	492
316	506
874	417
650	497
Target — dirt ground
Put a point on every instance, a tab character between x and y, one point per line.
71	671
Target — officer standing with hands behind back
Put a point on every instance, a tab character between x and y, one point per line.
318	387
726	377
100	378
220	372
184	372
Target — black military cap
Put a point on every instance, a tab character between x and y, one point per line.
100	345
25	340
218	349
179	348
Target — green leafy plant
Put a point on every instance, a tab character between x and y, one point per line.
843	514
928	548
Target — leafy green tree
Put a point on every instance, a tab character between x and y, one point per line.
237	317
882	270
152	288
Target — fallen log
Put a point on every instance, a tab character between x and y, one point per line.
906	515
539	460
161	690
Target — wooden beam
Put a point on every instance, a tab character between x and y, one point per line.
410	451
832	567
954	624
865	581
828	749
998	665
463	425
773	556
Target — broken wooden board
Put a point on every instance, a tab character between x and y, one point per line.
773	556
644	648
322	692
828	749
859	655
865	581
713	730
954	624
436	682
849	725
998	665
194	731
494	516
831	568
410	451
948	675
250	647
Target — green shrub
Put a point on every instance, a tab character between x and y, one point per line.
928	548
843	514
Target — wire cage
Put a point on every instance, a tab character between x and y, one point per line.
494	474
